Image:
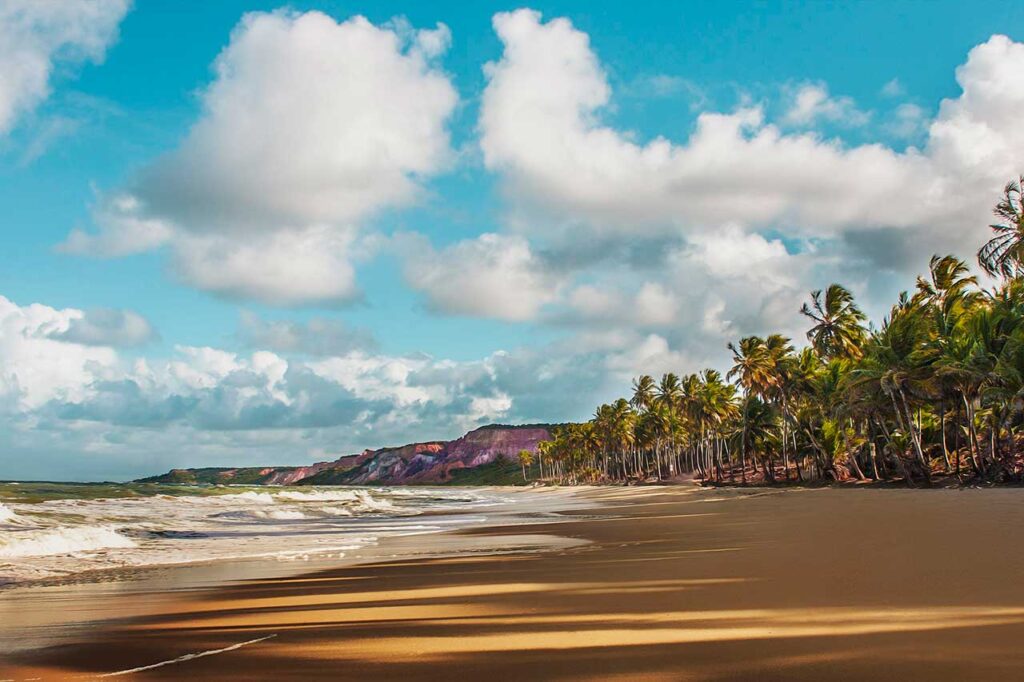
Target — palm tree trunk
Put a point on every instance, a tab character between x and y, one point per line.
942	427
911	429
785	448
972	434
899	455
743	443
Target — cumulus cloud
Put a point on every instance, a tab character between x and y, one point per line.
38	35
317	337
651	305
105	327
309	128
67	395
285	268
126	230
908	120
492	275
114	416
36	368
541	128
812	103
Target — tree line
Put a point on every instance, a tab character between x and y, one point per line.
936	389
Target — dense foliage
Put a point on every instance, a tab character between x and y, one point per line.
936	389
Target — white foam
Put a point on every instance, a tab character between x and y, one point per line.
257	498
335	511
61	537
281	514
319	495
7	515
63	540
370	503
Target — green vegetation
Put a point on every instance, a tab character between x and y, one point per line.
502	471
936	389
216	476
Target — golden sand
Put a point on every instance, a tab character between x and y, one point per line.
674	584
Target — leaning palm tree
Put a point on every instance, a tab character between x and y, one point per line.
903	365
1003	254
837	330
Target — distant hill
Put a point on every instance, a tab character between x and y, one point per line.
484	456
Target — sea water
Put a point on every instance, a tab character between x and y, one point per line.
53	532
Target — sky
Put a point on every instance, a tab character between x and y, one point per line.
245	233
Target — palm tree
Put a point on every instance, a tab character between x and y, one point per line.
1003	254
948	294
837	331
752	366
760	429
525	461
669	390
946	361
643	392
901	361
778	388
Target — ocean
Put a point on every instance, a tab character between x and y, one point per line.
51	532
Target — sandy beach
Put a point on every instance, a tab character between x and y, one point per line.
669	583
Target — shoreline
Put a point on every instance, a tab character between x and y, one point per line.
206	575
664	582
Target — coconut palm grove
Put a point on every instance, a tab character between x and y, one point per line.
935	390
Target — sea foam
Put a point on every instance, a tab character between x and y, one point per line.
64	540
7	515
68	535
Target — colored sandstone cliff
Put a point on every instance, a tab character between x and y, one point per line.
487	455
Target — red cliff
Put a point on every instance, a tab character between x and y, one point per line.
430	462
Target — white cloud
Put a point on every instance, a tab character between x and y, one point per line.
652	305
90	393
812	103
310	128
105	327
541	128
908	120
893	88
126	230
491	275
285	268
647	355
36	368
37	35
103	416
738	284
317	337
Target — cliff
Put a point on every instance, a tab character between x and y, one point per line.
487	455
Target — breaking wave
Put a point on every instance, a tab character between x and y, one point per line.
71	534
61	541
7	515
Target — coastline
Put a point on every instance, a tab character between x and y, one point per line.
28	621
661	583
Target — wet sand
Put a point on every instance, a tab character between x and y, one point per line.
672	583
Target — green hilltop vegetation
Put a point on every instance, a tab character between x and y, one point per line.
935	390
216	476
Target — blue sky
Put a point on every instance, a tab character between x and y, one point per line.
624	189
